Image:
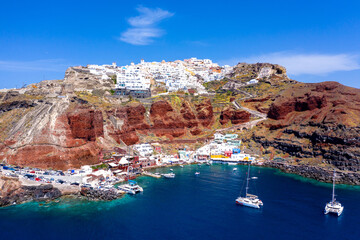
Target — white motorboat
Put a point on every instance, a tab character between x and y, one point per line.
197	173
131	188
249	200
169	175
181	166
333	206
234	169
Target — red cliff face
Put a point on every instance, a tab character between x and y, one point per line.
86	124
166	121
126	121
205	113
235	116
317	121
68	142
327	102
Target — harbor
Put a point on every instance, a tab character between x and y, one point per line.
289	203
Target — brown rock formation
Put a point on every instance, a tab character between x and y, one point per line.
318	121
205	113
235	116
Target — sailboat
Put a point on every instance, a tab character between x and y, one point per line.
249	200
334	206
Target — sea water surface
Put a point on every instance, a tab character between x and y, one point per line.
195	207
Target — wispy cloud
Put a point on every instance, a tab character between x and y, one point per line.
144	27
51	65
299	64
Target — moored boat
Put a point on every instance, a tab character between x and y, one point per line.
334	206
131	188
169	175
249	200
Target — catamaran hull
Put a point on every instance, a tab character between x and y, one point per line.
247	204
337	212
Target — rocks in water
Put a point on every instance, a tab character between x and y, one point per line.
317	173
20	194
103	195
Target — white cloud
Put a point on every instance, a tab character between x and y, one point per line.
140	36
313	64
149	17
52	65
144	27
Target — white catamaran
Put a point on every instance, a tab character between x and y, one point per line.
249	200
334	206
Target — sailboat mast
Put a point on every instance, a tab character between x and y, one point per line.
247	181
333	192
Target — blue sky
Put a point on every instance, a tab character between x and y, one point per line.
315	40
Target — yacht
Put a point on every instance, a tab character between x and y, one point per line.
333	206
249	200
131	188
169	175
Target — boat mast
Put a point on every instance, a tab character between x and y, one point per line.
333	192
247	181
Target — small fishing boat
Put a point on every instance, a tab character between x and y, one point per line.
169	175
197	173
254	178
249	200
334	206
131	188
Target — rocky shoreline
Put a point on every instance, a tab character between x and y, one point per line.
317	173
14	192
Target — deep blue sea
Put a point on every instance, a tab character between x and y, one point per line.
195	207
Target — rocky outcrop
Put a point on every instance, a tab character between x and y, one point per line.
8	106
317	173
315	121
102	195
86	124
235	116
271	72
12	192
205	113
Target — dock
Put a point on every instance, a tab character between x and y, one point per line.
149	174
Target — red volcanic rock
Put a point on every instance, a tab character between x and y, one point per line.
188	115
317	103
195	131
205	113
86	124
160	108
240	116
165	120
127	120
317	121
235	116
48	156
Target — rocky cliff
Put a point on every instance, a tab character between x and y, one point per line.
70	131
318	124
